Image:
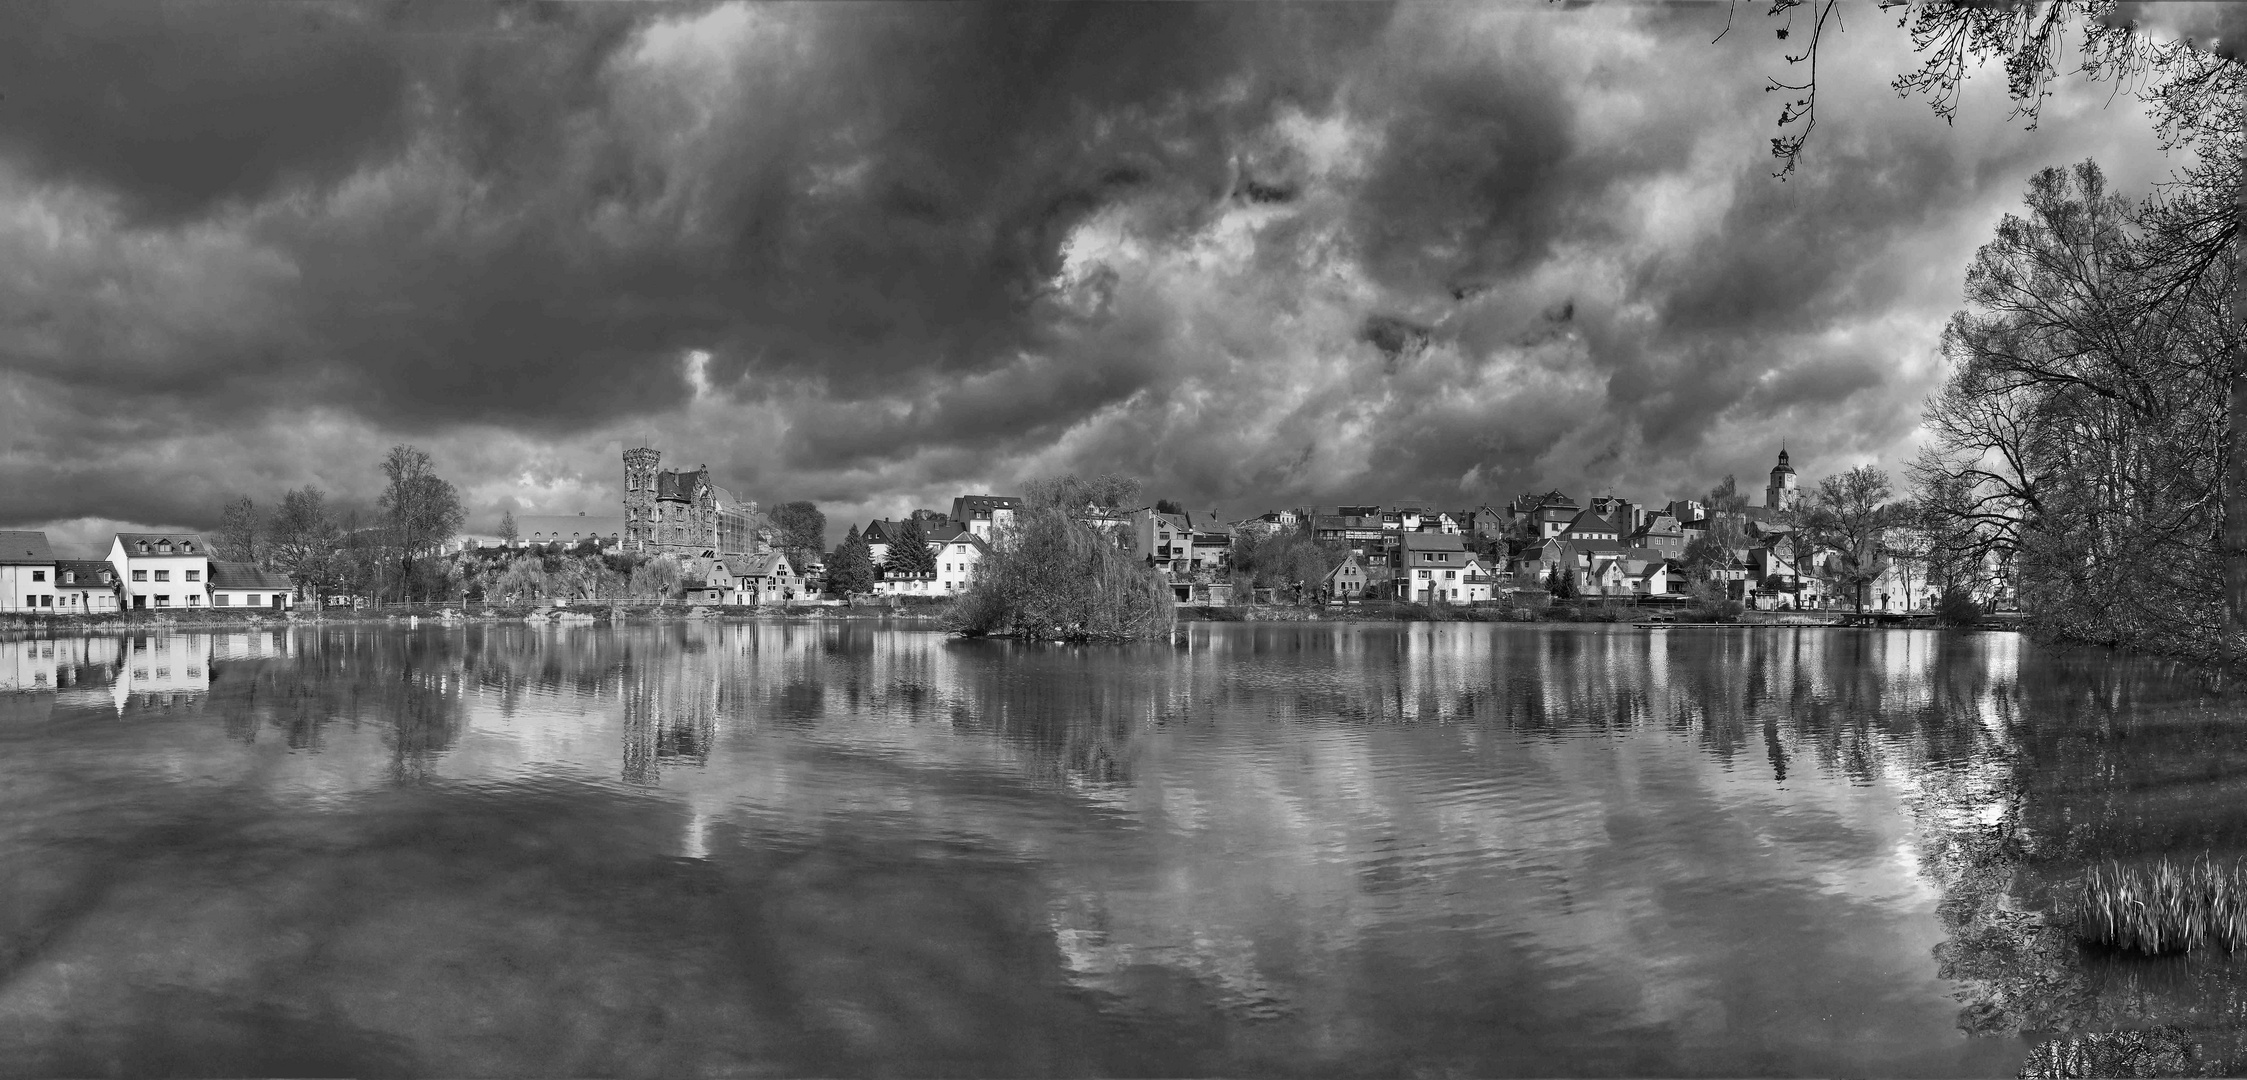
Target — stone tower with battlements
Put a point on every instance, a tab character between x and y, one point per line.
639	497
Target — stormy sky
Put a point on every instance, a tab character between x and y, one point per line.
875	256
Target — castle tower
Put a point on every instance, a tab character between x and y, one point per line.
1781	494
639	497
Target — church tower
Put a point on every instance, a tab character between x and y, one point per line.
639	497
1781	494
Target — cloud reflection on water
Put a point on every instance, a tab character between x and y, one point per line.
825	848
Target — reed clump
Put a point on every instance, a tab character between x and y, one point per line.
2164	908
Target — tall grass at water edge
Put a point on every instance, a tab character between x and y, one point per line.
2164	908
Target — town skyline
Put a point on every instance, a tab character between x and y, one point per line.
1315	276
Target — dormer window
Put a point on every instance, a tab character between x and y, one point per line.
164	548
144	547
70	577
187	549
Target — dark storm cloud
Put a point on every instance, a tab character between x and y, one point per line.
1254	254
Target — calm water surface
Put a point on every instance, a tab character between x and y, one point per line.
1325	849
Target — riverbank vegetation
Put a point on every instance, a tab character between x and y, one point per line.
2080	437
2164	908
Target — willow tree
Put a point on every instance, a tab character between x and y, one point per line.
1059	577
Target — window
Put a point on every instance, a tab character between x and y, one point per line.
220	601
46	600
140	673
38	575
140	575
144	547
163	575
164	548
69	577
194	600
164	600
189	548
195	575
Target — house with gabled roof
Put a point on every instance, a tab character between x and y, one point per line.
161	570
84	587
765	578
986	515
1166	540
1661	532
1539	560
27	572
1434	567
1647	572
241	584
1593	525
1347	581
1552	511
959	550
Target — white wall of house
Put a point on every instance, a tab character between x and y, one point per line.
85	600
955	565
28	587
255	598
158	581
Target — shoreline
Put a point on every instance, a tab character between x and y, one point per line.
926	615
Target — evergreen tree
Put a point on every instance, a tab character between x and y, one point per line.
508	531
850	570
911	554
1564	584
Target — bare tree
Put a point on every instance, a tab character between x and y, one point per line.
1850	516
422	509
304	541
2194	82
240	531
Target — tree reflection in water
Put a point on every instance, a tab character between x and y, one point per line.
2098	760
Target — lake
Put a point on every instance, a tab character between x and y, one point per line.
1274	850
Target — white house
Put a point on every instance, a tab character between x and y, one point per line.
161	570
27	572
1434	567
958	552
85	587
236	585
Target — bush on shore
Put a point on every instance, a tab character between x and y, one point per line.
1058	578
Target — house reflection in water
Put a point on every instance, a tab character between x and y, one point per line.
162	671
670	714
